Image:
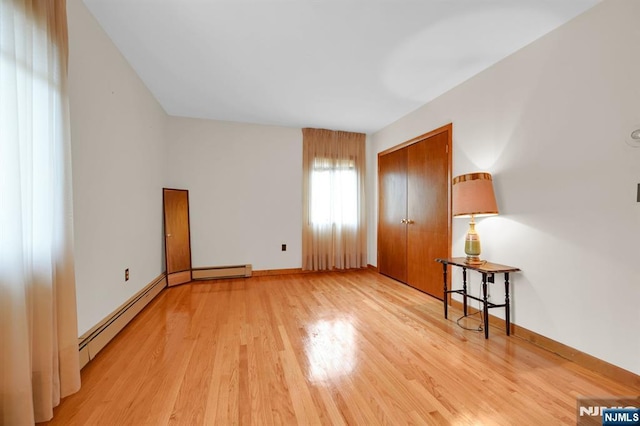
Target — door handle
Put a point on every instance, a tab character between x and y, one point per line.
403	221
168	235
410	222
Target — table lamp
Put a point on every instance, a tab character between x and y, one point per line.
473	196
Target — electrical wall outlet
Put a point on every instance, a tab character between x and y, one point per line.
126	274
284	247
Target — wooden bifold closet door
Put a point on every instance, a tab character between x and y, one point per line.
414	222
392	230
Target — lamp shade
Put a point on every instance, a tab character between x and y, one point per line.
473	195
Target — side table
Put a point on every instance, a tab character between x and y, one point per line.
488	271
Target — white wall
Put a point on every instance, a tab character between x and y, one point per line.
245	191
118	153
550	123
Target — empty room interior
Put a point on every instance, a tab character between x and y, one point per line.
270	207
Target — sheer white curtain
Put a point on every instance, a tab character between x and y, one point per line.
334	234
38	327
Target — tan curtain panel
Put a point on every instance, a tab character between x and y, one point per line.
334	222
38	326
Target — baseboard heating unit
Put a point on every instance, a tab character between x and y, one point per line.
221	272
91	342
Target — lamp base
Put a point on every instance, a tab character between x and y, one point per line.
472	245
474	260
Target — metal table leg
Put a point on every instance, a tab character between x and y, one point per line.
507	309
486	306
444	298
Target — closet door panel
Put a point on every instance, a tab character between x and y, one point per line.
392	232
428	212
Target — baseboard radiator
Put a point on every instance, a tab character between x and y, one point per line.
97	338
220	272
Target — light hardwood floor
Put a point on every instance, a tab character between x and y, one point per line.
334	348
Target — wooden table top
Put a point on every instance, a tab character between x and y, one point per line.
486	267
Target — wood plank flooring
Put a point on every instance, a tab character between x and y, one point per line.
352	348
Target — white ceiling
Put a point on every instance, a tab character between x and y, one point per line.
355	65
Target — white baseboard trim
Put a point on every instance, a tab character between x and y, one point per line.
97	338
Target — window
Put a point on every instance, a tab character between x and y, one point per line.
334	189
39	350
334	231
